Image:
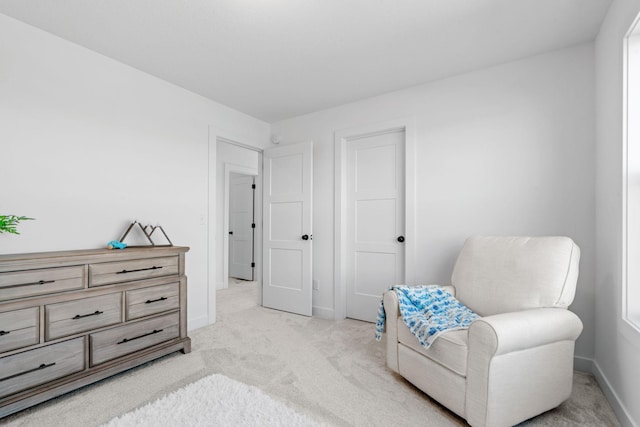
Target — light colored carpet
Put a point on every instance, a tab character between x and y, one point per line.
332	371
214	401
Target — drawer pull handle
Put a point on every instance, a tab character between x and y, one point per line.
155	331
80	316
149	301
140	269
43	366
39	282
2	333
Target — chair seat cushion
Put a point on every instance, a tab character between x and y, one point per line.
449	349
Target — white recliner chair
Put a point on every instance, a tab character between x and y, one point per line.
517	360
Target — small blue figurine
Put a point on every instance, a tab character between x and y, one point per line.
114	244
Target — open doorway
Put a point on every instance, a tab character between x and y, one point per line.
238	223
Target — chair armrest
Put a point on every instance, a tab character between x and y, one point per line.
509	332
390	303
392	313
533	348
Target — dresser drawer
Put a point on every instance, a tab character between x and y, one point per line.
33	367
152	300
26	283
19	328
129	338
138	269
67	318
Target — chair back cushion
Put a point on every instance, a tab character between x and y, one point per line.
503	274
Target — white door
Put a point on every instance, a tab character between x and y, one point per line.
241	226
375	220
287	241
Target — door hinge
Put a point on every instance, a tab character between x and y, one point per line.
253	225
253	265
253	186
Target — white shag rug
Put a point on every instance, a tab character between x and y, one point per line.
214	401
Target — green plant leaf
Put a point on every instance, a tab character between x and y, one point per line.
8	223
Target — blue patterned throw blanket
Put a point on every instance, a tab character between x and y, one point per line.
428	311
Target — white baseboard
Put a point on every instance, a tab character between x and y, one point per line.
589	365
196	323
583	364
322	312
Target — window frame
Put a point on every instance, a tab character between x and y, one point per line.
631	202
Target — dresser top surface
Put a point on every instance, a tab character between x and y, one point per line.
129	252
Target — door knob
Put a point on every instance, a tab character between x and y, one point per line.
305	237
400	239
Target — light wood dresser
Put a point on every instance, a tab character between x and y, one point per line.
71	318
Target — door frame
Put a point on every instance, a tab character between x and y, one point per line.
214	137
341	139
228	169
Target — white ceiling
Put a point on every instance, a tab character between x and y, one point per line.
276	59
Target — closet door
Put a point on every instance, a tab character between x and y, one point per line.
241	226
375	220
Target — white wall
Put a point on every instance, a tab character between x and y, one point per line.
616	345
504	150
232	155
88	144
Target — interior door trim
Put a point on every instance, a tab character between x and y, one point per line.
209	221
341	139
